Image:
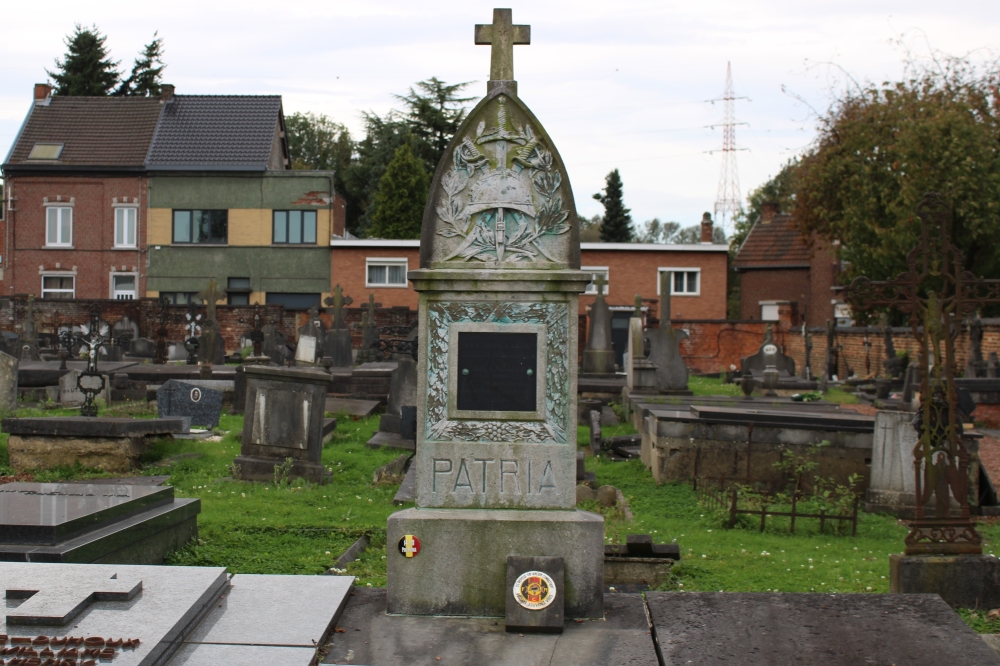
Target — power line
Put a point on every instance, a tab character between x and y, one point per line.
728	200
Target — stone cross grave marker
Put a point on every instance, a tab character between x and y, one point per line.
211	346
337	344
369	333
499	285
62	600
664	346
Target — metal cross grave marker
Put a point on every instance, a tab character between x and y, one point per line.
937	293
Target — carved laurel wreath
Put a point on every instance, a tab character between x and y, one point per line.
478	237
554	428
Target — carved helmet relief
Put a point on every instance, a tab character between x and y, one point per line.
500	196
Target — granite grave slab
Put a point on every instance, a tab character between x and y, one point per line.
79	522
759	629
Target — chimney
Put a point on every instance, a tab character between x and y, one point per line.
166	92
768	210
706	228
42	91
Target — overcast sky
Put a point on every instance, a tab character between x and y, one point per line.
617	84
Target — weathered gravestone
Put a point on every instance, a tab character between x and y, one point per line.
402	393
338	338
91	614
29	334
640	372
892	485
177	398
599	356
211	345
769	354
69	392
664	346
498	283
8	383
309	348
275	343
284	418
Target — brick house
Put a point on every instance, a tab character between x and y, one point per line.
76	193
121	197
379	267
778	265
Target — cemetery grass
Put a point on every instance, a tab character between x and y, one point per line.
715	386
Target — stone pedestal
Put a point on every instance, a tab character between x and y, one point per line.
464	552
963	581
640	371
284	419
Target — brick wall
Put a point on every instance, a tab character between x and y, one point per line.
92	257
772	285
348	269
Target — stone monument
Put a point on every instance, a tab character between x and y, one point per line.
769	354
275	343
211	346
284	419
892	485
8	383
338	338
369	334
309	347
975	366
498	283
640	372
664	346
831	361
201	404
599	356
29	334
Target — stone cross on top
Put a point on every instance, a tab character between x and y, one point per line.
209	296
600	283
502	36
338	301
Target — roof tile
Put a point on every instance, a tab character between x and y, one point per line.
778	243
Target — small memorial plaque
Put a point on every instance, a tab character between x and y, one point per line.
535	599
497	372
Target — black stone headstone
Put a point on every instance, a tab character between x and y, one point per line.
202	404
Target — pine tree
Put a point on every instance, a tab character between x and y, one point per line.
86	69
434	115
147	72
400	198
617	225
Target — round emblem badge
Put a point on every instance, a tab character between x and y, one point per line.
534	590
770	349
196	395
409	545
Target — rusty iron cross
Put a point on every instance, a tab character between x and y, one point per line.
501	35
937	293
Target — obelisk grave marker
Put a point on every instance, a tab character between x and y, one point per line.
498	281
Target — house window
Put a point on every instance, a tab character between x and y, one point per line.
686	282
58	286
180	297
293	301
386	272
59	226
124	286
201	226
238	291
125	217
294	227
594	272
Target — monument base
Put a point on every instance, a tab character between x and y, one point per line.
461	564
599	362
963	581
111	454
254	468
901	504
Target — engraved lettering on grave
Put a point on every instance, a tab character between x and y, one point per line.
476	476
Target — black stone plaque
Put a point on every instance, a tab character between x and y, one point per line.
497	372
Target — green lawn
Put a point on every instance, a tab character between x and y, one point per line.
301	528
715	386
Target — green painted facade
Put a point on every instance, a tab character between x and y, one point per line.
285	269
270	269
277	189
